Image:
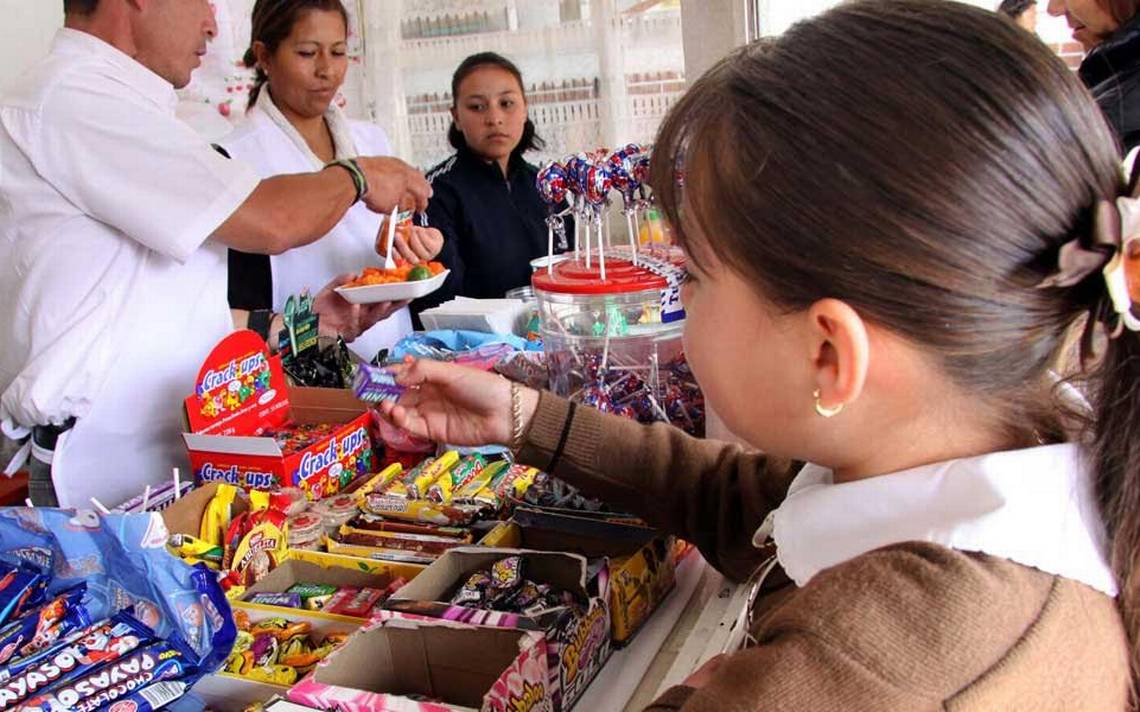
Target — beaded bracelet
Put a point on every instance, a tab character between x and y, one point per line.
358	178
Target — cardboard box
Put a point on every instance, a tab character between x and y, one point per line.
465	667
241	392
578	644
641	563
224	692
293	571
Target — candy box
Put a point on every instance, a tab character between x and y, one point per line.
641	562
578	641
241	394
293	572
464	667
357	563
224	692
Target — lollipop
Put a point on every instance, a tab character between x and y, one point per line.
552	183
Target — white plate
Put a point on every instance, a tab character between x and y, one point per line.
393	291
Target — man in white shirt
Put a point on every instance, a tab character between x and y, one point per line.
114	223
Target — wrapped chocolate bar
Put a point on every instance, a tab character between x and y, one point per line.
459	476
116	679
82	653
21	588
40	629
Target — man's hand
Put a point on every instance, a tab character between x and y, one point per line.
392	182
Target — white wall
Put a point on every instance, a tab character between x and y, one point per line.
25	34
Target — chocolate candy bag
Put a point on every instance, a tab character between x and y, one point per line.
123	561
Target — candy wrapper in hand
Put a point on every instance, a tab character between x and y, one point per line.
122	559
374	384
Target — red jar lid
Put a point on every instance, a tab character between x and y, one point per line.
572	277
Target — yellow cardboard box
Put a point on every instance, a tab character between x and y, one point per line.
642	563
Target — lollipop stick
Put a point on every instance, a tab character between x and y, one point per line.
601	247
28	502
586	230
146	498
577	255
632	236
177	484
549	247
99	506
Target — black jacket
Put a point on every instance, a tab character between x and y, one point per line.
1112	73
492	227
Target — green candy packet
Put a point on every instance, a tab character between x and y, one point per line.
312	590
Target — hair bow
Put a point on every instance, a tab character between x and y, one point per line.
1113	248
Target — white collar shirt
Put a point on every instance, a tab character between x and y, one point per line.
1034	506
111	293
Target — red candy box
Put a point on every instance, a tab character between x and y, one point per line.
248	428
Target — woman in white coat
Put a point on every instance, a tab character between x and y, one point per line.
299	49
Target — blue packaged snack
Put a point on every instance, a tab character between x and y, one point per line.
21	587
115	680
41	628
83	652
124	562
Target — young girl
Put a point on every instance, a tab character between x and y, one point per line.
895	215
486	202
299	48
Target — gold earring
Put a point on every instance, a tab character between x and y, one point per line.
823	410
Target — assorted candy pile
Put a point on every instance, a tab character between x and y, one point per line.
295	438
598	380
504	587
276	650
330	366
550	491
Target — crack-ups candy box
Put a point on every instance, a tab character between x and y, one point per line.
247	427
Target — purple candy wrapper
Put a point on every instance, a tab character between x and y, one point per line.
374	384
283	600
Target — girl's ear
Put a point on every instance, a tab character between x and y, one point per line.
840	352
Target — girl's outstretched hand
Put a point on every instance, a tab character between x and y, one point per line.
454	404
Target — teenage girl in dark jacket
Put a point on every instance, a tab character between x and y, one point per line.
1110	33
